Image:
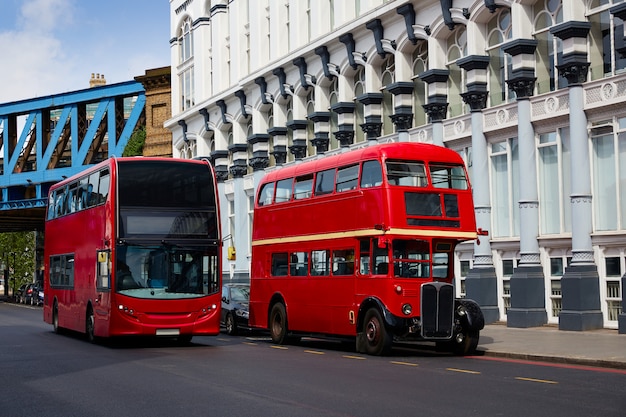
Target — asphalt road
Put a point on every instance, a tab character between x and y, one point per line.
44	374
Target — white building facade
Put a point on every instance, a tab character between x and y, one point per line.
529	92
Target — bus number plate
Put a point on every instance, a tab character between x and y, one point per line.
168	332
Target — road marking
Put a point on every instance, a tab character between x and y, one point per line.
353	357
543	381
315	352
222	339
403	363
465	371
250	343
279	347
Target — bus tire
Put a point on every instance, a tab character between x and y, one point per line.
231	326
376	339
278	324
55	318
468	345
90	323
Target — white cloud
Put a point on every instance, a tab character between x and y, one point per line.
45	15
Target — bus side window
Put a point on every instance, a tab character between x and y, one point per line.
279	264
325	182
51	206
266	195
320	262
93	188
303	187
299	264
103	187
343	262
347	178
283	190
372	174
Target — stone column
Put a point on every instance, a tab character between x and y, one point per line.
260	155
321	127
620	11
239	237
481	281
279	141
528	305
437	107
299	147
580	284
372	111
345	123
402	105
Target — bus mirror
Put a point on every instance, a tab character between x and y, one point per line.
382	243
232	254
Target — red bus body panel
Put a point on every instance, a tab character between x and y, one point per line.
330	304
85	232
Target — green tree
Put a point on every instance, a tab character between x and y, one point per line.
134	147
17	252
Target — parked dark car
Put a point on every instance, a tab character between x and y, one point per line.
17	295
235	299
32	294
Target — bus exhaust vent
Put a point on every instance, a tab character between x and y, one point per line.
437	310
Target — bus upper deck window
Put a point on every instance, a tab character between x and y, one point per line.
372	174
325	182
448	177
283	190
411	174
266	194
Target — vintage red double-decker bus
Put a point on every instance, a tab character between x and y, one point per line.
361	244
132	247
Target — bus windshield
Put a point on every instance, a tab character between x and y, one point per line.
166	271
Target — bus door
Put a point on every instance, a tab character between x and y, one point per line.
102	307
373	268
340	291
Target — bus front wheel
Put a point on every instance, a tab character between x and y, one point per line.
278	324
376	339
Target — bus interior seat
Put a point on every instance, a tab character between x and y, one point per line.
382	268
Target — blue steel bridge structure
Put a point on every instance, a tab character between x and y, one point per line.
47	139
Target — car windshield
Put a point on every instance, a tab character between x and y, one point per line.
240	293
166	271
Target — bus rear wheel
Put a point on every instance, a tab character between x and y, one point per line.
376	338
278	324
90	323
55	318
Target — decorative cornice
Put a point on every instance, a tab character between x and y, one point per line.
520	46
409	20
266	98
348	40
282	82
222	105
473	62
241	95
383	46
306	80
571	29
330	70
434	76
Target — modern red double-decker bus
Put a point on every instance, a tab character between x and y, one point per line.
361	244
132	247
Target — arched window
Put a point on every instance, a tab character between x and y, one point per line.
310	128
457	48
420	64
185	67
334	118
606	40
359	112
547	13
500	67
388	77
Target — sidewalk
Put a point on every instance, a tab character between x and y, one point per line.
603	347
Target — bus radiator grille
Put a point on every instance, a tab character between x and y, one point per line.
437	310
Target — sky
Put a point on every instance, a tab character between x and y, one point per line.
53	46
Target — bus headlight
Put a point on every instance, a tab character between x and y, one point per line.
407	309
